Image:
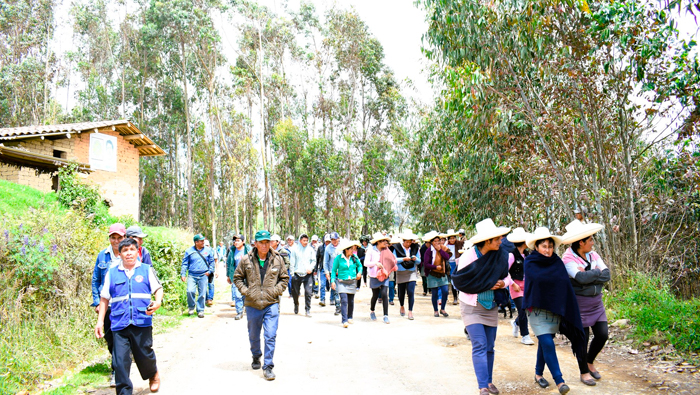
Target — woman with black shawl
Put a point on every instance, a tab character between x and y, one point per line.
517	290
481	272
551	305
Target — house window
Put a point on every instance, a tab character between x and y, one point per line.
60	154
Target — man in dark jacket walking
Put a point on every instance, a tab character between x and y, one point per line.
261	277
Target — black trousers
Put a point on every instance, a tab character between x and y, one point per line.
600	337
521	321
136	341
308	282
109	336
384	291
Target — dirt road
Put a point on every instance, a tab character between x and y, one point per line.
317	355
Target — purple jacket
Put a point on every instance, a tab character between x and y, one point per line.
428	260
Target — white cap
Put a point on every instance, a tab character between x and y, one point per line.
314	238
327	238
275	237
290	237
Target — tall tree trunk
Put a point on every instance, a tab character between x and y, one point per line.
190	211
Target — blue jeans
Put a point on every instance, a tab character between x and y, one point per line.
322	284
237	298
265	320
392	290
547	353
347	306
210	294
442	290
483	338
196	285
289	286
326	283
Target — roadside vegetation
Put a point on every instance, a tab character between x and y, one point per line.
47	255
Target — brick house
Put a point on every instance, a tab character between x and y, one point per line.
106	153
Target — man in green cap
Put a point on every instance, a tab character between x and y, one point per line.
198	262
262	278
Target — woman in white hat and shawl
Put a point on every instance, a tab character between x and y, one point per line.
481	270
517	274
551	305
380	262
346	270
588	275
435	263
408	258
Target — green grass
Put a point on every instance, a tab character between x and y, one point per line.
173	234
95	375
15	199
656	314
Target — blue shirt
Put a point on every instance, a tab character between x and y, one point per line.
103	263
328	257
193	263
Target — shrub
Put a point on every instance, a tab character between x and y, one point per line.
167	249
77	195
656	314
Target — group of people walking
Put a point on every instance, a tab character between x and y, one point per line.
552	294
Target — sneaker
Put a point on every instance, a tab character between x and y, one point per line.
256	363
527	340
333	302
516	330
322	303
316	296
296	309
112	381
350	321
337	310
232	304
372	316
238	317
209	303
391	303
345	324
386	319
267	373
190	311
200	314
308	314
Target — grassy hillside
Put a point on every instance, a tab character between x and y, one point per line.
47	255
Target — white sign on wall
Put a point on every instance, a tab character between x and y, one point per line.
103	152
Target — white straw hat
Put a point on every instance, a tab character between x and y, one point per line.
345	244
451	232
577	230
430	235
486	230
467	245
518	235
542	233
395	240
377	237
408	236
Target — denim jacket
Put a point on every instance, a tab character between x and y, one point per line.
102	266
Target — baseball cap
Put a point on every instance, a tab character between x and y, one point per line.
235	237
461	232
290	237
199	237
314	238
135	231
276	237
335	235
117	228
327	237
206	243
262	235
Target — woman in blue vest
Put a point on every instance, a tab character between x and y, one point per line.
128	288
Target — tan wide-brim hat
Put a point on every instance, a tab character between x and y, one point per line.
487	230
345	244
378	237
518	235
542	233
395	240
430	236
450	233
577	230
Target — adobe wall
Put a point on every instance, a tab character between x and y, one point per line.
121	187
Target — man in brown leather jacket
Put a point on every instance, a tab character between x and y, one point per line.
262	277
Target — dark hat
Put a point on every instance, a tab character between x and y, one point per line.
238	237
135	231
199	237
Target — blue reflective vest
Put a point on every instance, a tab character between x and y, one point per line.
130	297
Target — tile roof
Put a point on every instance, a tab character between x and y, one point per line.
125	128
